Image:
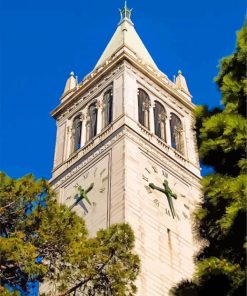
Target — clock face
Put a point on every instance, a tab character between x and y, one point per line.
88	195
167	192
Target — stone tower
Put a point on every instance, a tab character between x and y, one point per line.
126	131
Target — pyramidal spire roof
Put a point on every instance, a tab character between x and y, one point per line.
126	35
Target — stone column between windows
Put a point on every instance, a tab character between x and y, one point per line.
168	129
68	147
184	139
99	116
151	116
83	119
67	140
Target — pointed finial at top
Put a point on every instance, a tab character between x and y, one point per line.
71	82
125	13
180	81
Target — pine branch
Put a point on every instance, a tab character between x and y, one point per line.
80	284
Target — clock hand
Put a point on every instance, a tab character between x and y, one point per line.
89	188
82	195
87	199
169	194
83	206
171	206
77	197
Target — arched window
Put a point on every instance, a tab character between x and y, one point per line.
143	108
107	107
92	123
76	133
160	121
177	133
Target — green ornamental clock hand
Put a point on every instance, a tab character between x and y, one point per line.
82	195
169	194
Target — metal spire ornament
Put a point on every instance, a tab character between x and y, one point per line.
125	13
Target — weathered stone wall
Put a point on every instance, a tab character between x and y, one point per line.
164	244
121	161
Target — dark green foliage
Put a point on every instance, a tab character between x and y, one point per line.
185	288
232	79
221	216
33	225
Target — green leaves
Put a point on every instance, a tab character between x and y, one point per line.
21	254
5	292
102	264
221	215
225	131
226	195
33	225
18	253
232	78
214	266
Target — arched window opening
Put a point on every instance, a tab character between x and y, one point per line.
143	108
107	108
76	133
160	121
92	123
177	133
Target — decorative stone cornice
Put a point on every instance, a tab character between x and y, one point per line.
150	144
84	161
87	97
102	72
164	159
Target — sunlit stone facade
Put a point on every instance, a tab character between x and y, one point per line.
121	144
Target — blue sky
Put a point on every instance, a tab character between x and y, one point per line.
41	42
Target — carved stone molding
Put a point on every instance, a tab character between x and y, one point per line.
147	148
162	94
90	94
87	160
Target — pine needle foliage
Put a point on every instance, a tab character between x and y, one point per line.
43	240
221	216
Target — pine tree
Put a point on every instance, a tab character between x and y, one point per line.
45	241
221	216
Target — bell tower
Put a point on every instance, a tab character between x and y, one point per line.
124	134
